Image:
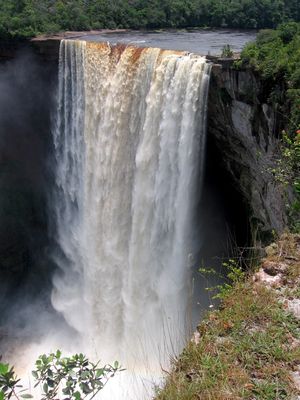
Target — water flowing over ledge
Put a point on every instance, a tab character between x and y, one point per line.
129	143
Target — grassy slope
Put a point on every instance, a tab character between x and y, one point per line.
249	348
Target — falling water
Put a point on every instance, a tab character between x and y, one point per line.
129	145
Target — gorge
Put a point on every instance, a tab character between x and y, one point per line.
124	196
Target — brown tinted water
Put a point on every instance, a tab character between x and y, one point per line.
198	41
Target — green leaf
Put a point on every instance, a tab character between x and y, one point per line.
77	395
2	395
4	368
45	388
35	374
45	359
116	365
26	396
66	391
85	374
99	372
58	354
85	388
50	383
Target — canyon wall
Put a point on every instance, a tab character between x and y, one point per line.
244	126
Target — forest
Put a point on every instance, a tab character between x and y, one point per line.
276	56
27	18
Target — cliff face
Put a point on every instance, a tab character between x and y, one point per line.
243	127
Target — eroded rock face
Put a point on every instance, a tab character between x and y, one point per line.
244	128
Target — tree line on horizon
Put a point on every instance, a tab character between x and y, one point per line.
28	18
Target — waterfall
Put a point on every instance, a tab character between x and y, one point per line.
129	143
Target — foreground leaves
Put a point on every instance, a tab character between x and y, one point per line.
72	377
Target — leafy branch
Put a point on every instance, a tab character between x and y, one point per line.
234	275
73	377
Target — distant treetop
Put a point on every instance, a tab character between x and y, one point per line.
27	18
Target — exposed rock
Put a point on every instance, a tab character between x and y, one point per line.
270	281
245	128
294	307
255	328
223	340
47	49
295	376
293	344
273	268
196	337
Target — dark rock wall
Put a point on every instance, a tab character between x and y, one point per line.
27	87
244	128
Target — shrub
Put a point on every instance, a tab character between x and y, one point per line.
75	377
226	51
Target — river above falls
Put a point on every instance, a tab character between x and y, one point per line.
203	42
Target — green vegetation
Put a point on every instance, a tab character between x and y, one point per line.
276	56
226	51
75	377
233	273
249	347
26	18
286	171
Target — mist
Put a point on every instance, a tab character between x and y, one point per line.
27	95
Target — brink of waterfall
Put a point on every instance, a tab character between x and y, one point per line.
129	141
